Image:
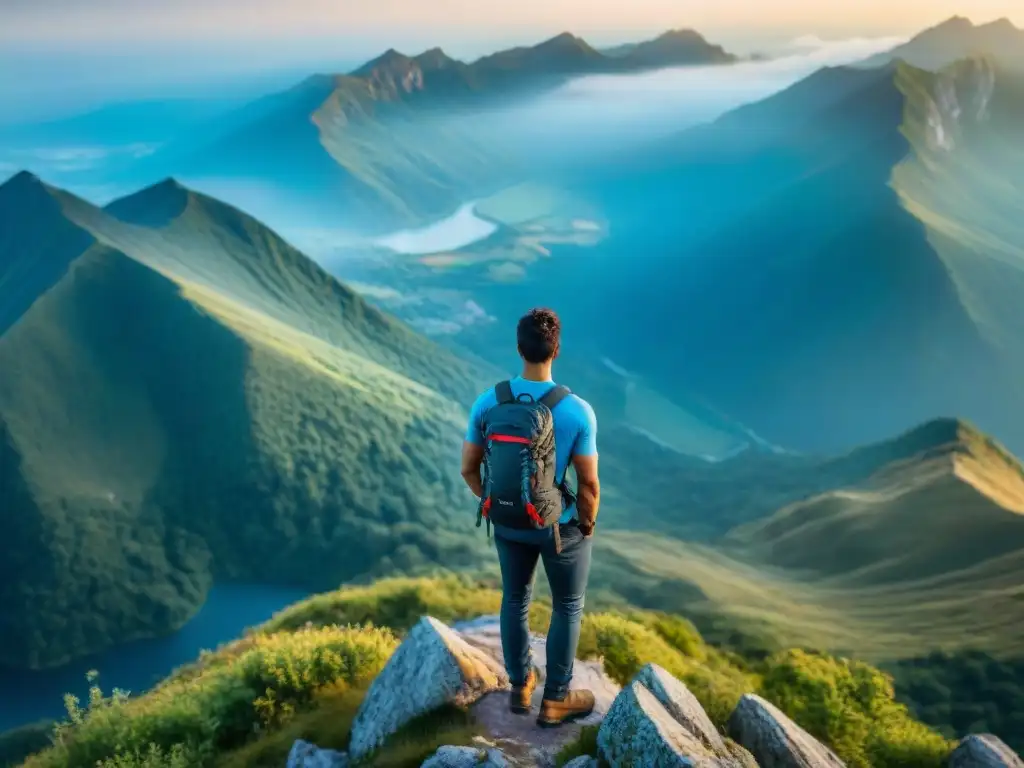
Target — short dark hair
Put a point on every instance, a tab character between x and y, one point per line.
538	335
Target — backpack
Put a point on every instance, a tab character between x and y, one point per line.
520	489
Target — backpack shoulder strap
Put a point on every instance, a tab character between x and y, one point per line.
555	395
503	391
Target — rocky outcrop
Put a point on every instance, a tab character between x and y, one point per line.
306	755
518	736
467	757
774	740
657	721
654	721
984	751
682	705
432	667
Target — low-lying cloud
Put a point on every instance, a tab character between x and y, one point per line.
610	109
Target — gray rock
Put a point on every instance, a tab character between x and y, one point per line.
432	667
776	741
984	751
682	705
517	735
584	761
467	757
306	755
638	731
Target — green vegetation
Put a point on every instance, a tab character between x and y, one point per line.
254	685
303	676
965	692
255	420
852	707
586	744
841	565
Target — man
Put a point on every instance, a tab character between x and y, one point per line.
564	547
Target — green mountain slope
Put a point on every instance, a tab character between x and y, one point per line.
846	266
954	39
186	397
383	147
893	551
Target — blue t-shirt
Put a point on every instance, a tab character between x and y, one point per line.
575	426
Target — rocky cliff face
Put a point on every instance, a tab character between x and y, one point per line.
962	95
654	721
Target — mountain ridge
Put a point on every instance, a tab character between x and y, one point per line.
907	265
202	439
956	38
379	146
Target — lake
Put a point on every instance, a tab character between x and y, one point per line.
230	608
460	229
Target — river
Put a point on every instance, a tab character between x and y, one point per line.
29	696
460	229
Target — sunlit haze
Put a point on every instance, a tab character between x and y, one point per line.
455	20
58	56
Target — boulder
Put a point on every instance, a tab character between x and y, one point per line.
682	705
467	757
639	731
306	755
774	740
984	751
431	668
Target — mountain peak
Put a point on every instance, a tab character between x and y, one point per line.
954	23
387	60
566	41
23	180
23	187
1000	25
154	206
435	58
687	35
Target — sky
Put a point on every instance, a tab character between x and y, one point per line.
82	22
63	55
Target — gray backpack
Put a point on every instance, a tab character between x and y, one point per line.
520	489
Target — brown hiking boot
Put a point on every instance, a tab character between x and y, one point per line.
520	699
576	705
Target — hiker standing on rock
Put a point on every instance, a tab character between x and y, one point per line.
523	434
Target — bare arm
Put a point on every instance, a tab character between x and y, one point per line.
472	456
589	492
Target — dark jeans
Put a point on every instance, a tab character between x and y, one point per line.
518	552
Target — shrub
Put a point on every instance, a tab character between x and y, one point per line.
851	706
246	690
399	603
178	756
626	646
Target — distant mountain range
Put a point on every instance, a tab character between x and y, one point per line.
834	263
433	79
186	397
382	147
958	38
886	552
